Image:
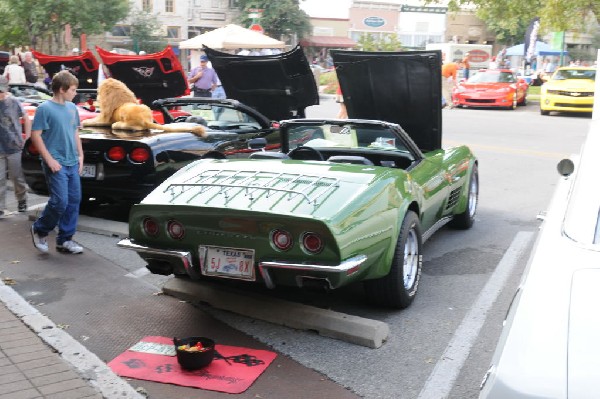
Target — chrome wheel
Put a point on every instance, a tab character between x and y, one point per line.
411	259
473	195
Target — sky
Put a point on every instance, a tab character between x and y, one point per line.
326	8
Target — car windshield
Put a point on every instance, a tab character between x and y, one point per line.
492	77
563	74
215	116
347	135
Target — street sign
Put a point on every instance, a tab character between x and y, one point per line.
257	28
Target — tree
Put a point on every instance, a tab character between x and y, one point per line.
146	32
27	23
282	17
388	42
509	18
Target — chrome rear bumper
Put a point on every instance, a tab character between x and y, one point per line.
183	260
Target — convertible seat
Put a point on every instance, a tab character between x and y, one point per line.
268	155
353	159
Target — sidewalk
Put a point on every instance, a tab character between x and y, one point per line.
39	360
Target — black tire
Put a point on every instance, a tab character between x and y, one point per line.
466	219
524	102
399	287
544	112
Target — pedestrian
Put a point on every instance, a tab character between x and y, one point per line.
30	68
55	133
466	66
449	70
203	78
13	71
339	98
11	144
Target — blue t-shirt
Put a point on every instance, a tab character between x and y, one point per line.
58	123
11	132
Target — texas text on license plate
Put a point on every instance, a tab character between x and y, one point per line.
226	262
88	170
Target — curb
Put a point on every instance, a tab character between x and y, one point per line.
88	365
353	329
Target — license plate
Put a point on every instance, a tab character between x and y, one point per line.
88	170
226	262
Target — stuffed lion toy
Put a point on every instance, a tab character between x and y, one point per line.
120	110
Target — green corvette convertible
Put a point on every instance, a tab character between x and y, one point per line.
344	201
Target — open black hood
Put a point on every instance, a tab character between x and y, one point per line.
84	66
150	76
279	86
397	87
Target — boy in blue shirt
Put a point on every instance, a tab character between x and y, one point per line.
55	133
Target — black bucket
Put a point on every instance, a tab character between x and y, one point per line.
194	360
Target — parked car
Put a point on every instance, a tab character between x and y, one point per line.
570	89
126	166
491	88
31	96
344	201
549	346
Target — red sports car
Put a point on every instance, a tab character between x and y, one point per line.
491	88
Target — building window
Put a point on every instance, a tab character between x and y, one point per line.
147	5
233	3
121	30
173	32
169	5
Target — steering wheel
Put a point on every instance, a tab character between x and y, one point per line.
304	153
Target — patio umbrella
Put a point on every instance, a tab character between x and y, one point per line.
231	37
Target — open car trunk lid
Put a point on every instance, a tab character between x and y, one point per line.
150	76
279	86
396	87
84	66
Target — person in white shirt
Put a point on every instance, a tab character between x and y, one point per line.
14	72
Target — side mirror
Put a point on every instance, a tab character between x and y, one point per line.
565	167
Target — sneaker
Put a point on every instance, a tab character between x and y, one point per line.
22	206
70	247
39	242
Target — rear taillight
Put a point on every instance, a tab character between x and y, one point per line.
281	239
32	149
139	155
312	243
175	230
150	227
116	154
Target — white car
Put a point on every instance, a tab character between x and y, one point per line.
550	344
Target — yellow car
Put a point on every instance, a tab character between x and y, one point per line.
570	89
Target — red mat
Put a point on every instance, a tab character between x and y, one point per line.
233	369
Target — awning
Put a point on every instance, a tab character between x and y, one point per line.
328	41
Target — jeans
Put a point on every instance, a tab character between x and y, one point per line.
15	173
62	209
